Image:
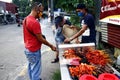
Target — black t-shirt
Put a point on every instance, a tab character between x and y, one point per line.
89	21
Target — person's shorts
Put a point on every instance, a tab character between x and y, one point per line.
58	41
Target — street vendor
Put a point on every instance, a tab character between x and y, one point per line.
87	31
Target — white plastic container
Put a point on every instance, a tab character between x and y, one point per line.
118	60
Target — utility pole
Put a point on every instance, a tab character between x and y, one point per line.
5	13
50	11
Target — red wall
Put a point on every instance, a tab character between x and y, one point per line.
114	35
11	7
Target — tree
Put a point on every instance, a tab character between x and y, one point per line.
70	7
97	10
24	7
17	2
37	1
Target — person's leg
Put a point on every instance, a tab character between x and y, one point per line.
56	58
34	64
57	55
58	41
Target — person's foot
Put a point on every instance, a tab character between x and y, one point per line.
55	60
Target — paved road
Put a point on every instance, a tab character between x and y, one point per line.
12	58
11	50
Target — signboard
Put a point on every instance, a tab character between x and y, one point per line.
110	11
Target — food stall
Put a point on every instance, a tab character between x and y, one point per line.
77	60
110	25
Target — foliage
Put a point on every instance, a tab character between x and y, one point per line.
17	2
24	7
66	5
36	0
70	7
56	75
75	20
45	4
100	46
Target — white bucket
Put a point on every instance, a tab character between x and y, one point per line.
118	60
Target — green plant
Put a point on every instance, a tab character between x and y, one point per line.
100	46
56	75
75	20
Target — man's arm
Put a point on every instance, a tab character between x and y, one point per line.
84	27
44	41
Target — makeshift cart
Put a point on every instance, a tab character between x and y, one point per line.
66	62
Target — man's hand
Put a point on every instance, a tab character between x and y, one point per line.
67	40
53	48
